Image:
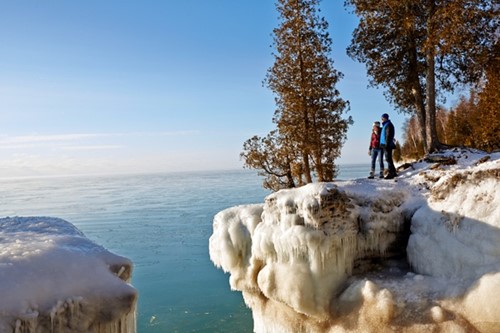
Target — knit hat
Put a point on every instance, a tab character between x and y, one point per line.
376	123
385	116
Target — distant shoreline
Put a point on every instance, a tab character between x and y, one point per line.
145	173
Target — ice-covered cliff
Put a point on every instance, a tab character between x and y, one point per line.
55	280
417	255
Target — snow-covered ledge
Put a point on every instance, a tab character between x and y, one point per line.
53	279
417	255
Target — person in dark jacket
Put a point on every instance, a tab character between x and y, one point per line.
375	151
387	145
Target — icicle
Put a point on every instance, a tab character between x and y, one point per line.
120	272
125	324
54	315
17	329
65	312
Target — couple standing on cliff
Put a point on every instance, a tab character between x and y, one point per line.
382	143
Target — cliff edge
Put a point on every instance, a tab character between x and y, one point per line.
418	254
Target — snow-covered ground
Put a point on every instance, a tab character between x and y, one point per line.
418	254
54	279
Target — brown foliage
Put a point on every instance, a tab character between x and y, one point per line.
413	147
473	122
487	128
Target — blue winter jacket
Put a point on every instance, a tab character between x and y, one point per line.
387	135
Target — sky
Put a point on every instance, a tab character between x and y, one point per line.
152	86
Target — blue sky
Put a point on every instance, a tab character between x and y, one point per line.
149	86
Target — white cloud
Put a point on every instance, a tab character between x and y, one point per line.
91	147
108	153
85	141
32	139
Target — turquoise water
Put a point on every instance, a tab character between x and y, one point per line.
162	222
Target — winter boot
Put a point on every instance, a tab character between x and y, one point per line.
372	174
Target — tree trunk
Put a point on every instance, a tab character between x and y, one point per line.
417	89
319	167
289	175
305	115
430	86
421	114
430	110
307	167
305	143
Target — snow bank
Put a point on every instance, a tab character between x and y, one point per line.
460	225
415	255
54	279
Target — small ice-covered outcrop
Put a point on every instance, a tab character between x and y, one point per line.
416	255
55	280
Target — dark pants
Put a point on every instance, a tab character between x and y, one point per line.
377	152
390	163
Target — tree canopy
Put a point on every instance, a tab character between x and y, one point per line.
418	49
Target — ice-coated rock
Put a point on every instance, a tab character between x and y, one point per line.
55	280
414	255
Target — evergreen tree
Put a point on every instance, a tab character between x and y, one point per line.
418	48
310	128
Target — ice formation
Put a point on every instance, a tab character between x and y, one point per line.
55	280
417	255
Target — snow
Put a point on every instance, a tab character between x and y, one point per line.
421	253
54	279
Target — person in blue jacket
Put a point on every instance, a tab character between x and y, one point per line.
387	145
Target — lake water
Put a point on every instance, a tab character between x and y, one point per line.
162	222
